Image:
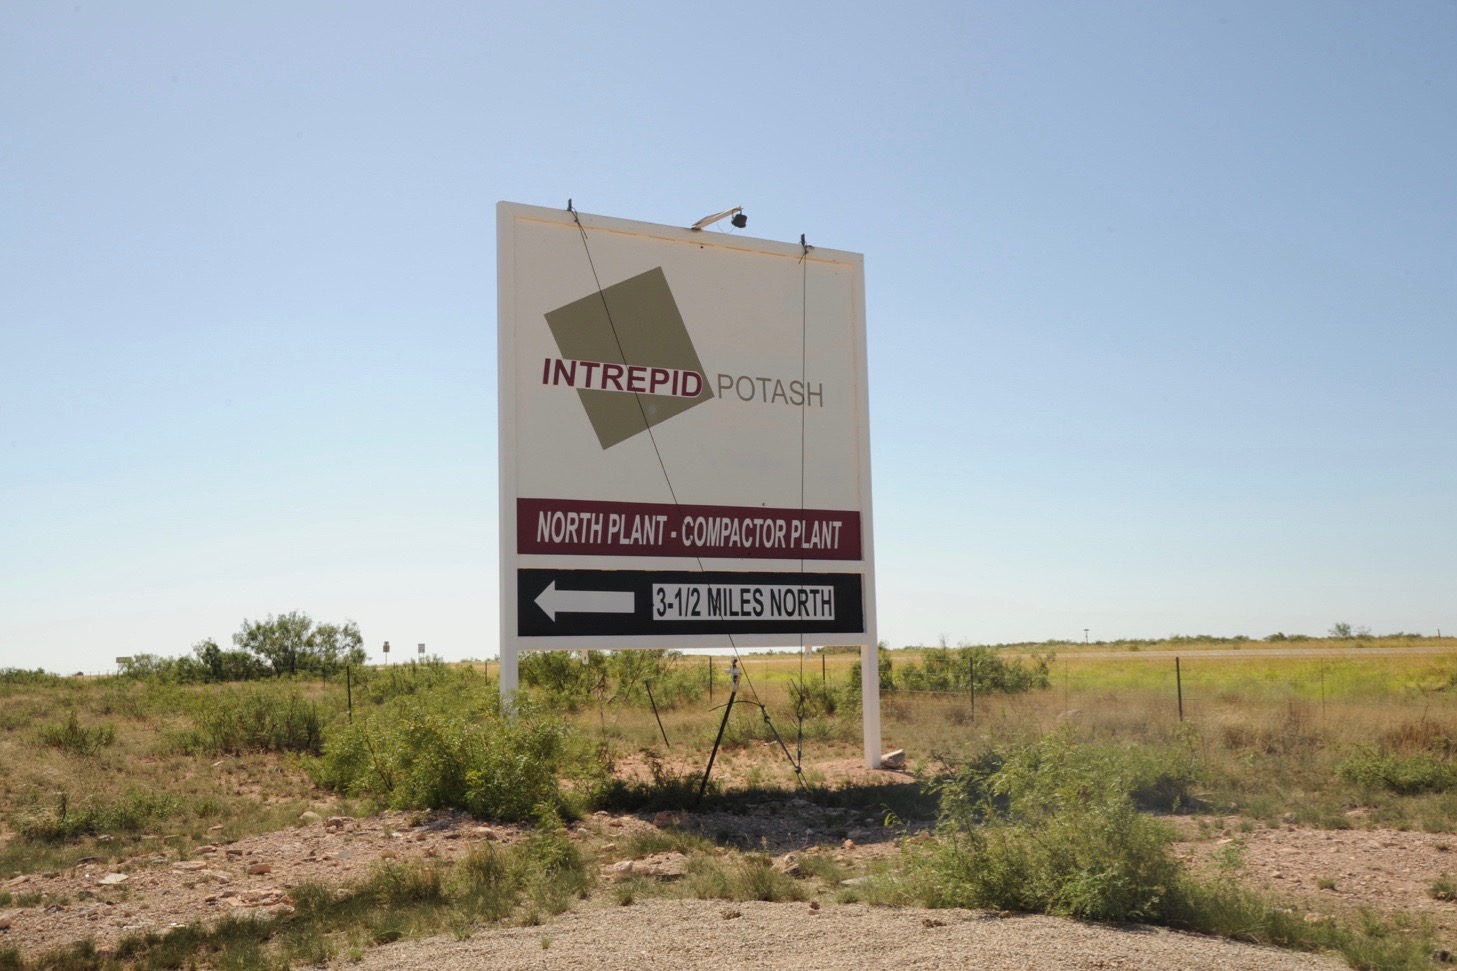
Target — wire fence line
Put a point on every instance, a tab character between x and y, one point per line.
1188	685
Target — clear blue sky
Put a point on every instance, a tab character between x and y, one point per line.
1162	299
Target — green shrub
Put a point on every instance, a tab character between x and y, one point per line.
565	681
749	877
885	673
230	721
73	737
488	883
19	677
1054	828
1102	861
377	686
1443	888
562	680
552	870
396	883
812	697
1407	776
131	813
962	668
437	751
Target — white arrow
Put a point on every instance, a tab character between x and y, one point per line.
554	601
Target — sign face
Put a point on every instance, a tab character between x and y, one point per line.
684	438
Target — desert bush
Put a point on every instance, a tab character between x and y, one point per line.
398	883
550	867
562	679
441	750
1053	828
132	812
1404	775
673	685
1422	735
488	883
813	697
71	736
19	677
260	719
947	669
566	681
885	671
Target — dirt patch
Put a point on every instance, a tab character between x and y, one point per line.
158	891
1346	870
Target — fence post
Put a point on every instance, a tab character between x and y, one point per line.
1179	682
709	659
349	690
971	679
1322	690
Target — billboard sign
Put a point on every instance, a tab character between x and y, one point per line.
684	440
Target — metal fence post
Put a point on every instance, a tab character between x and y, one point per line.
1179	682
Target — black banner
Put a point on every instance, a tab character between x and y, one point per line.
586	603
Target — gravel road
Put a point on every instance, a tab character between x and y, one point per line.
698	935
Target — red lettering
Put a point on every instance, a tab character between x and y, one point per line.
565	369
635	375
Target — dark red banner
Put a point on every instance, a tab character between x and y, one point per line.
594	528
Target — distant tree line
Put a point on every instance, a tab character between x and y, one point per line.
283	646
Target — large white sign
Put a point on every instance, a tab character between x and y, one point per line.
684	439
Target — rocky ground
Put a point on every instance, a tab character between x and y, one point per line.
1384	870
